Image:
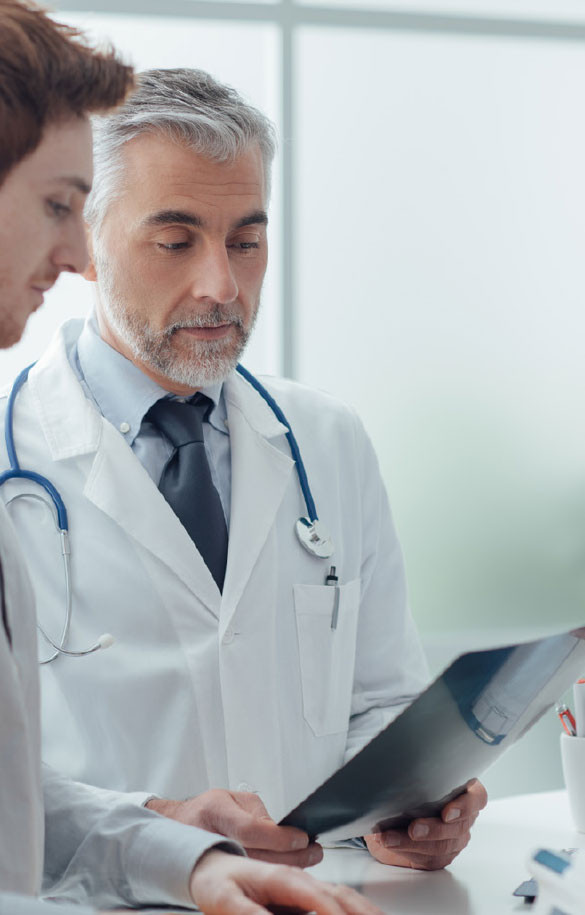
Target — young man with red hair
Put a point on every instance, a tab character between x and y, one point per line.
96	845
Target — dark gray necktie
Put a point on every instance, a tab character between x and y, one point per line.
186	481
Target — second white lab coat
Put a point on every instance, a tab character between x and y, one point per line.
249	690
84	843
21	804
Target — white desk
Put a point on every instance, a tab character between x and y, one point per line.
481	880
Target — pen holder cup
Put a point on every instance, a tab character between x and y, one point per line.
573	758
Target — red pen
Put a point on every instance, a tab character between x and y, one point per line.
567	720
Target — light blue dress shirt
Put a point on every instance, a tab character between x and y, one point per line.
123	394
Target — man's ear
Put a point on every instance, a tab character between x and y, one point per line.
90	273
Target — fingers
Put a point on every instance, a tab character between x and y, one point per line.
457	817
412	860
423	833
431	855
427	844
438	847
256	829
432	842
286	886
266	834
243	817
467	805
431	829
307	857
223	884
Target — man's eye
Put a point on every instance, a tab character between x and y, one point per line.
59	210
245	245
173	246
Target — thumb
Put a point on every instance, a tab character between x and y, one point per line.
249	822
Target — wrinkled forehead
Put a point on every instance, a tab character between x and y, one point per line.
162	173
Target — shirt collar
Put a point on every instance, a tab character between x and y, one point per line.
122	392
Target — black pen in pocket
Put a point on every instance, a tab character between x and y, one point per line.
332	580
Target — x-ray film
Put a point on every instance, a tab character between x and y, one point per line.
461	724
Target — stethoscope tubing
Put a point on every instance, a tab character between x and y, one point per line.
16	472
295	450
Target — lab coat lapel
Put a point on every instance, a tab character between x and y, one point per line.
260	476
119	485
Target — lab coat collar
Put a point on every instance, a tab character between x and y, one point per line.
122	392
115	481
120	486
71	424
241	396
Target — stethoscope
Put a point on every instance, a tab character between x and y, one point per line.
310	531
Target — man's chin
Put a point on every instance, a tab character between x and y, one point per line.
10	334
201	378
203	365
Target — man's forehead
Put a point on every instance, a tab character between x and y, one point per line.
161	167
62	160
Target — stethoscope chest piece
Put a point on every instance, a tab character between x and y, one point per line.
314	537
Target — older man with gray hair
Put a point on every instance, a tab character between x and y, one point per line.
254	653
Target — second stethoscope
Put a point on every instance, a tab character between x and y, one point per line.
310	531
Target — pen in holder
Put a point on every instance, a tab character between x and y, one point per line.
579	704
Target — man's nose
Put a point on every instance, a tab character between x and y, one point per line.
214	278
71	252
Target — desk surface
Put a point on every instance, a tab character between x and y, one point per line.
481	880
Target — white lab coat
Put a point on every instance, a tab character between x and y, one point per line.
249	690
100	846
21	805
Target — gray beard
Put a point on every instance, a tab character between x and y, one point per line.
208	361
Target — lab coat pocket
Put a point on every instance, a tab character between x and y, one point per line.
327	656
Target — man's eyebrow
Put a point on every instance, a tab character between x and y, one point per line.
172	217
257	218
184	218
73	181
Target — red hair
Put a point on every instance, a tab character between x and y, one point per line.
47	74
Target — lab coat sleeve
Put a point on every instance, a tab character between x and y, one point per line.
390	668
104	848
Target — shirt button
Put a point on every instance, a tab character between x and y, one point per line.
124	427
244	786
228	637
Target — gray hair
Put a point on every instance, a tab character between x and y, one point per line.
187	106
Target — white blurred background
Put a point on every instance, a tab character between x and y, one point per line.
427	234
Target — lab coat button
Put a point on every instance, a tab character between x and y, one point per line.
228	636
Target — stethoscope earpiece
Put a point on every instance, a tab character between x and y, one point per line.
105	641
